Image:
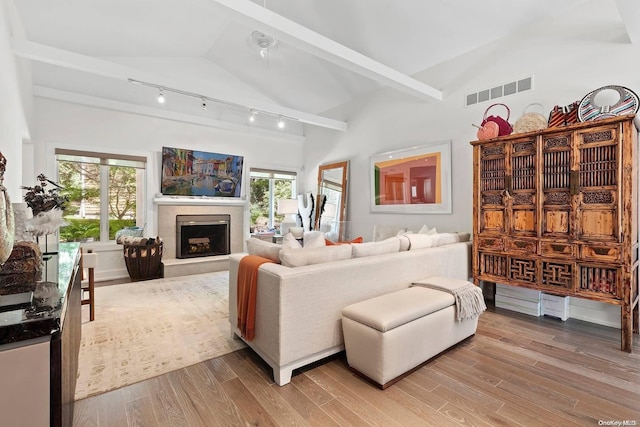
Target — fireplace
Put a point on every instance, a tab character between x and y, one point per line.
202	235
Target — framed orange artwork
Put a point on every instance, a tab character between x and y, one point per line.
413	180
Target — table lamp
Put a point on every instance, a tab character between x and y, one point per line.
288	208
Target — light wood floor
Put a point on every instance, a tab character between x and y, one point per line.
517	370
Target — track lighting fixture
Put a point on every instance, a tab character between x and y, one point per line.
253	112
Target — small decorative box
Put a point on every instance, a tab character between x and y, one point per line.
555	306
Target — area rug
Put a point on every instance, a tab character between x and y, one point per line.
144	329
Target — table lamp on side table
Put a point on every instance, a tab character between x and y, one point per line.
288	208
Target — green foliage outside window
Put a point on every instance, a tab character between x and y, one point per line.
81	183
259	199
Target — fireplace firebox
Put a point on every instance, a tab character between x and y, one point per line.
202	235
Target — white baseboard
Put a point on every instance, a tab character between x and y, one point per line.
595	312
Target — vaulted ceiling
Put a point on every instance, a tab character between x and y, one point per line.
326	52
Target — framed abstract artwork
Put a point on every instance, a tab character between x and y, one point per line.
415	180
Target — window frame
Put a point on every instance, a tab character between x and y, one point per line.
272	175
105	161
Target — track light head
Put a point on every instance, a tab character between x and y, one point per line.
161	97
204	104
280	123
252	116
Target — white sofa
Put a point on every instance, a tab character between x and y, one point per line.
299	309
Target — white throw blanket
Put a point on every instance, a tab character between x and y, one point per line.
469	298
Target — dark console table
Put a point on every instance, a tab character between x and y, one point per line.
39	344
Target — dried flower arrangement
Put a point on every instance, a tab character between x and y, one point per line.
41	200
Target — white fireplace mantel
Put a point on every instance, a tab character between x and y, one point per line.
170	207
200	201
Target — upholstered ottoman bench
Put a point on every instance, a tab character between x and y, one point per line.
388	336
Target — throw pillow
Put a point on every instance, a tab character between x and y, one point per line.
382	232
387	246
426	230
313	239
290	241
264	249
421	241
305	256
343	242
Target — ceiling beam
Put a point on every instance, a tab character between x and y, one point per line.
630	13
63	58
325	48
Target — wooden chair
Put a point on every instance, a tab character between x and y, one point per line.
89	260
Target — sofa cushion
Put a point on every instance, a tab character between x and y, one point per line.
421	241
387	246
264	249
313	239
308	256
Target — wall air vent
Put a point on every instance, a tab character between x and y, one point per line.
510	88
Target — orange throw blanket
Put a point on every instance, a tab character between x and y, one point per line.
247	291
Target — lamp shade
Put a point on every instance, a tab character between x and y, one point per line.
287	206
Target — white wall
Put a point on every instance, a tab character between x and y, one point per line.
15	104
569	56
64	125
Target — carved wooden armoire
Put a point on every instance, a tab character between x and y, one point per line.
557	210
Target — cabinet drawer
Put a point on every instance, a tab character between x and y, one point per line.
601	253
491	243
557	249
522	246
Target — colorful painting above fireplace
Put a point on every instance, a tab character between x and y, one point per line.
199	173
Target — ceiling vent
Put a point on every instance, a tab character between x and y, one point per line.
510	88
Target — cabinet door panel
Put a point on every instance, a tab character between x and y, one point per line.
556	222
524	221
492	221
557	158
522	189
598	224
598	213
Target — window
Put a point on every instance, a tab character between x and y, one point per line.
105	194
266	187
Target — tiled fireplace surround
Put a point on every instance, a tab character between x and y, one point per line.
168	208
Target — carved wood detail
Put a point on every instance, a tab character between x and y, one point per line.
558	211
